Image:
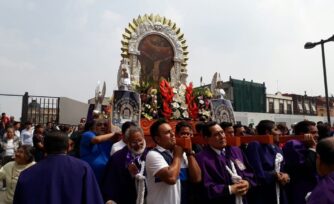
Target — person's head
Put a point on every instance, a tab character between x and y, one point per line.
163	134
228	128
81	127
24	154
239	130
3	115
28	124
199	127
283	128
56	142
214	135
325	156
83	120
100	126
305	127
183	129
10	132
126	126
267	127
39	130
135	139
17	125
323	131
66	128
49	125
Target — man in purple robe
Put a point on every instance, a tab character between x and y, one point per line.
58	178
219	185
323	193
268	164
301	162
124	167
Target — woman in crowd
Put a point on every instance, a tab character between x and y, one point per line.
9	144
24	158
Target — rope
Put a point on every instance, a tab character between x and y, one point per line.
140	184
235	179
278	161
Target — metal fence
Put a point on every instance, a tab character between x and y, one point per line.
38	109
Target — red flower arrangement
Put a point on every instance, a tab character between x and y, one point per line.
190	100
167	94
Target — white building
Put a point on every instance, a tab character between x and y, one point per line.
277	103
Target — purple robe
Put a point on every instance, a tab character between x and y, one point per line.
117	183
262	159
323	193
215	177
301	166
58	179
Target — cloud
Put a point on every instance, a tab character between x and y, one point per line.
11	66
63	47
110	16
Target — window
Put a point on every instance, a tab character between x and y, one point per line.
300	108
307	108
289	109
271	107
281	108
313	108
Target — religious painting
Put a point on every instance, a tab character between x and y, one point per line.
222	111
156	58
126	107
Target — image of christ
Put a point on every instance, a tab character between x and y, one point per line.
156	58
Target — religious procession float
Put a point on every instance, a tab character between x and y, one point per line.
152	83
152	80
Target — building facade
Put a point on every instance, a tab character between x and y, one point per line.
303	104
322	107
277	103
246	96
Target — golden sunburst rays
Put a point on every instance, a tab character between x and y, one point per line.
133	26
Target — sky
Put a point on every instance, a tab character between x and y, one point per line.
63	47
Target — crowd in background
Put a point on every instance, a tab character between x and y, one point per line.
122	169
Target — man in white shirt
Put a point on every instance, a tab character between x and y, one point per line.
163	165
27	134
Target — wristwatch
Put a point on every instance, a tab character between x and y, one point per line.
192	152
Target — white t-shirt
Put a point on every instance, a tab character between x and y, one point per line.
117	146
9	150
17	133
160	192
26	137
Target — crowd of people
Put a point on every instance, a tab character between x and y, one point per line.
99	163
